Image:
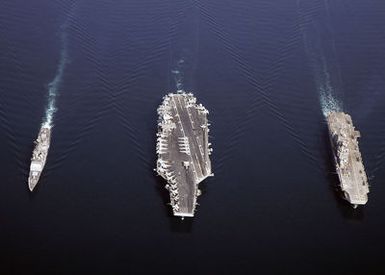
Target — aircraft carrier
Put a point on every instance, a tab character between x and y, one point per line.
39	156
348	160
183	150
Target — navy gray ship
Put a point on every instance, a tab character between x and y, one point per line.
39	156
348	160
183	150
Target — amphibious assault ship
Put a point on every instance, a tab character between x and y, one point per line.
39	156
348	160
183	150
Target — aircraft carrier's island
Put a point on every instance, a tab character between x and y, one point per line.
183	150
39	156
348	160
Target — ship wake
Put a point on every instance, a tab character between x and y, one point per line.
185	40
326	76
53	86
328	102
322	56
42	143
178	75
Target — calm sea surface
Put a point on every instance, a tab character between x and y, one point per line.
266	71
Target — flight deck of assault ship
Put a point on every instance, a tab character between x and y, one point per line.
39	156
348	160
183	150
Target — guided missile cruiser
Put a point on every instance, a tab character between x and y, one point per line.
39	156
183	150
347	157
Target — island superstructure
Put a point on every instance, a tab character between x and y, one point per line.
183	150
348	160
39	156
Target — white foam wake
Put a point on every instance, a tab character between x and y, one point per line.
178	75
326	74
328	102
53	86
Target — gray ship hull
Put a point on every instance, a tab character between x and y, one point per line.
347	158
39	156
183	150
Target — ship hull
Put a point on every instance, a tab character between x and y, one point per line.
347	158
39	156
183	150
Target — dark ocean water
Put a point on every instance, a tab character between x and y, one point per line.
266	70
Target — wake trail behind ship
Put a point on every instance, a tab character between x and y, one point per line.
42	143
178	75
329	103
184	47
54	85
322	58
